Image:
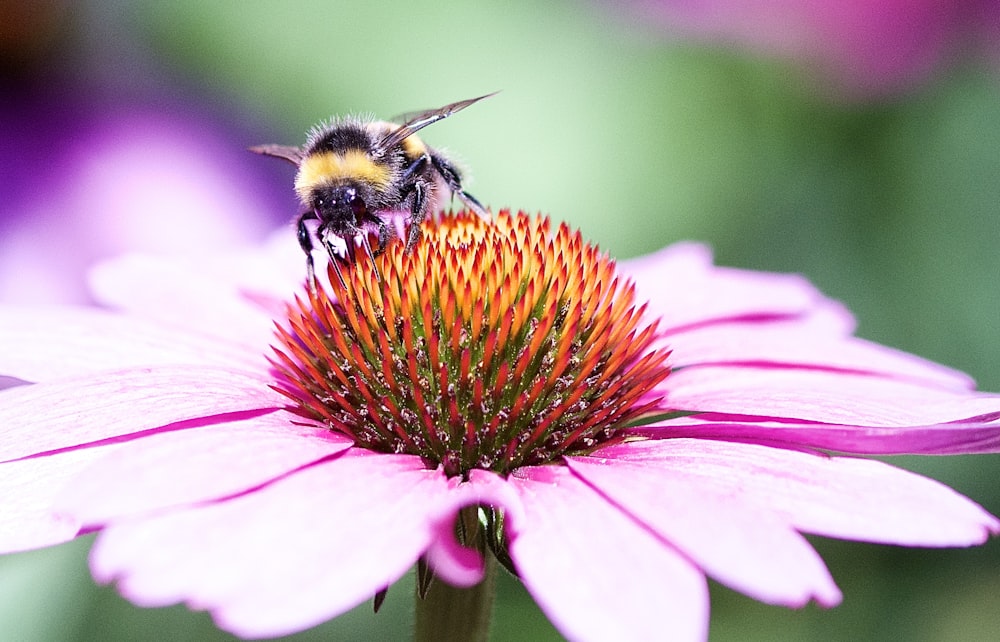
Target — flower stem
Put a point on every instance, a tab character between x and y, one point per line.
447	612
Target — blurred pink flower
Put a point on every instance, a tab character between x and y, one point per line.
864	46
105	151
92	182
160	425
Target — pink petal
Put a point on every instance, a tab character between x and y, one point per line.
197	465
452	562
684	288
51	342
939	439
73	412
29	488
186	296
748	550
596	573
287	556
812	341
829	397
834	496
232	294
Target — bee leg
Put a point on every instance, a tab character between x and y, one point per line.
415	168
335	262
349	249
384	234
453	180
371	255
472	203
416	184
331	252
366	244
335	257
305	242
340	275
417	215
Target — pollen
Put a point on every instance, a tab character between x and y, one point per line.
491	345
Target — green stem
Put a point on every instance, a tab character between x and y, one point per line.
447	613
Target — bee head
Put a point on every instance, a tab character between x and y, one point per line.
341	207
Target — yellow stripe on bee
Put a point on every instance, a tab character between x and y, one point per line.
413	147
326	167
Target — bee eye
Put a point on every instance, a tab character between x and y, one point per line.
356	203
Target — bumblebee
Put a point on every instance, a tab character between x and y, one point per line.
353	172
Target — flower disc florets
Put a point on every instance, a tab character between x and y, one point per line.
490	345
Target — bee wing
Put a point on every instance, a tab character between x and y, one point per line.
416	122
289	153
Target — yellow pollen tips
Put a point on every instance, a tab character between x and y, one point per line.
492	344
325	167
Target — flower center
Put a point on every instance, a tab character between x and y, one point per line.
490	345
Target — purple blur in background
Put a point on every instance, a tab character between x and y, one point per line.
94	163
861	47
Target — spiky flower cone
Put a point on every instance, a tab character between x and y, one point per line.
490	346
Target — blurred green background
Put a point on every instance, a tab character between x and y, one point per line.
890	205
